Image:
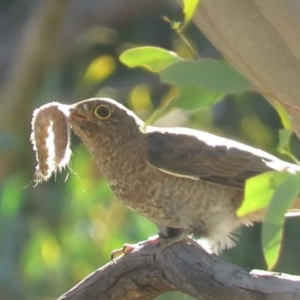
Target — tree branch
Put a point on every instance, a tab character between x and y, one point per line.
182	267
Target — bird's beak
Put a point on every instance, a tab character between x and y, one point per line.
75	114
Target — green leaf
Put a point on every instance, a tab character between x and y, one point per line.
153	58
259	191
209	74
194	98
189	7
284	144
272	229
190	98
284	140
284	117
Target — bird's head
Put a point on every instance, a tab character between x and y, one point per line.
103	122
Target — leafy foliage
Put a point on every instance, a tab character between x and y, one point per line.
200	84
189	7
53	235
210	74
153	58
272	230
275	192
191	98
260	190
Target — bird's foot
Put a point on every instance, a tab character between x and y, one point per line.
128	248
164	243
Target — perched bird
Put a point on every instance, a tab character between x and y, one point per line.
187	182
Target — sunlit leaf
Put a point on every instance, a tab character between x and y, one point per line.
284	144
99	69
272	229
284	116
140	98
284	140
189	7
153	58
259	191
194	98
209	74
191	98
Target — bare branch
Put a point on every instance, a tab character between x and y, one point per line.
182	267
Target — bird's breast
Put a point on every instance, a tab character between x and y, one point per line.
171	201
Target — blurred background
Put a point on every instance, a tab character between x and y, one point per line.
53	235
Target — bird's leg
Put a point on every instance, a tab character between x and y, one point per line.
167	236
170	236
164	243
127	248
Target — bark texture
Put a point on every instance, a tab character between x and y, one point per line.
145	274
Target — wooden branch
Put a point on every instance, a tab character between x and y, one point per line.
260	38
182	267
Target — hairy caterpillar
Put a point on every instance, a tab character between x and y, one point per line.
51	139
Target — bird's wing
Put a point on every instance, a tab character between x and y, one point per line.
200	155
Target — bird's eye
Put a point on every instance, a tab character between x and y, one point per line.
102	112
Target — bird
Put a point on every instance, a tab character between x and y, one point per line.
189	183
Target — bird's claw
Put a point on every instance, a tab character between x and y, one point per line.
162	244
128	248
